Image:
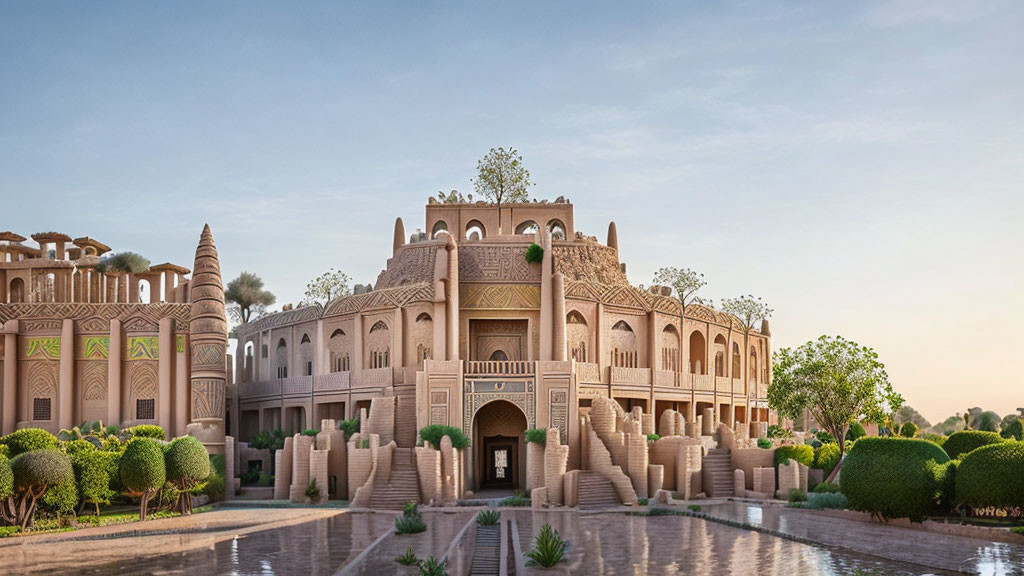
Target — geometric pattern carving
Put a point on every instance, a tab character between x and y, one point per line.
41	377
47	324
500	297
496	264
41	348
93	325
142	348
140	324
83	311
208	355
94	381
142	381
559	411
93	347
410	265
208	398
439	415
474	401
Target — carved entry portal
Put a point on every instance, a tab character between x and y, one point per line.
498	339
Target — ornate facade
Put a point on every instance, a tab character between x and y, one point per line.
461	330
84	343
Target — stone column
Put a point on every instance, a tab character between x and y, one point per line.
452	298
546	304
165	362
208	330
66	380
357	348
114	374
558	289
398	343
10	398
181	389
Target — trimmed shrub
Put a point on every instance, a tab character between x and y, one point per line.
537	436
764	443
214	488
219	463
965	441
142	470
909	430
41	468
892	478
855	432
29	439
992	476
534	253
803	454
61	498
937	439
653	437
188	466
826	488
312	432
5	452
795	495
6	479
145	431
826	458
945	474
75	448
826	501
92	475
435	432
1013	431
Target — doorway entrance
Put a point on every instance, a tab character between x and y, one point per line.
499	451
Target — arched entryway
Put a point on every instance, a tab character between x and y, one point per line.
499	446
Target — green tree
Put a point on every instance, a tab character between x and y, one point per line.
838	381
328	286
92	474
749	310
35	473
188	466
502	177
247	297
143	471
1012	429
684	282
906	413
988	421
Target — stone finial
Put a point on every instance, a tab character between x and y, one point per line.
766	328
208	334
613	236
399	236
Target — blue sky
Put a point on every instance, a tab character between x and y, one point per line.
858	165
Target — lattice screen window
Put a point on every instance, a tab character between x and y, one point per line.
40	408
145	409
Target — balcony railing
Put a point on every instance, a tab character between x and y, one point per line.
332	382
588	373
640	376
724	384
499	368
260	388
703	382
297	385
666	379
377	377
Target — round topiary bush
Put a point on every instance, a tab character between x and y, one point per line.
893	477
76	447
909	430
145	431
6	479
992	476
29	439
966	441
534	253
143	470
803	454
41	468
187	465
826	458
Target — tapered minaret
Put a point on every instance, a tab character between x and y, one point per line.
208	332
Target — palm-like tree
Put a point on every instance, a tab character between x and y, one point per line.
248	296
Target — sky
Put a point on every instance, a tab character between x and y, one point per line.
859	165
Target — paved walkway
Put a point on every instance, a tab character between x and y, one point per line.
930	549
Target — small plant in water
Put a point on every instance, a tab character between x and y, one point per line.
410	522
313	491
408	558
549	548
433	567
694	508
642	501
488	517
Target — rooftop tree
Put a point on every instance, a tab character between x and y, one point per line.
685	282
837	380
328	286
502	178
247	297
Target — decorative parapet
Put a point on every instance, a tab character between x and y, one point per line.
500	368
724	384
297	385
332	382
377	377
703	382
639	376
98	316
259	388
588	373
666	379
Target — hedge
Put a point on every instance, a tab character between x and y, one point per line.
5	452
62	497
826	458
29	439
75	448
803	454
92	474
142	465
6	478
966	441
435	432
145	431
891	477
537	436
992	476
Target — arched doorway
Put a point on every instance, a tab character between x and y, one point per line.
499	446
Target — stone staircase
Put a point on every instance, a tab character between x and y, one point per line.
401	487
595	491
405	420
486	551
717	473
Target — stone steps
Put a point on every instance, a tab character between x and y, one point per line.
487	551
402	487
717	473
405	421
595	491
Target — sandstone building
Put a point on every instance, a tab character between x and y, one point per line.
460	329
